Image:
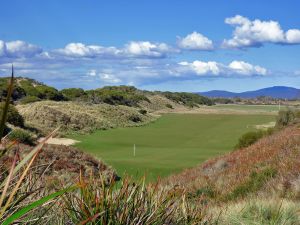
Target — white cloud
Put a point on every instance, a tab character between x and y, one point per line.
92	73
89	51
293	36
109	78
255	33
141	49
195	41
214	68
18	49
202	68
245	68
146	48
2	48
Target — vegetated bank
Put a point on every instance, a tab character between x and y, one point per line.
267	170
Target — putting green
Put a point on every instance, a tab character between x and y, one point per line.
170	144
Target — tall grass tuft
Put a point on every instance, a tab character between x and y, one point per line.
16	186
128	203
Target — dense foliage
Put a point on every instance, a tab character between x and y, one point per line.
73	93
22	136
188	99
116	95
251	137
29	89
286	117
223	100
13	116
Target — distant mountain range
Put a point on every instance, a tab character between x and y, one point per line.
274	92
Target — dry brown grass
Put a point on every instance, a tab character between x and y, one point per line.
279	152
77	116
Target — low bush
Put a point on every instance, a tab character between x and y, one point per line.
29	99
116	95
143	111
169	106
21	136
251	137
255	183
13	116
188	99
286	117
206	191
135	118
73	93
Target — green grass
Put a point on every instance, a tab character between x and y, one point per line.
262	108
172	143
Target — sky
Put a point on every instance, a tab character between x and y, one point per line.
177	45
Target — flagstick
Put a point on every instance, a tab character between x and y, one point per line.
134	150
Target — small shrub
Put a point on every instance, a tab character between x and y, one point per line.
169	106
251	137
13	116
206	191
29	99
21	136
285	117
73	93
143	111
135	118
254	184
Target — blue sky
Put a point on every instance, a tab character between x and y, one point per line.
158	45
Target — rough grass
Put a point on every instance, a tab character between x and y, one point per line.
269	211
77	116
172	143
232	174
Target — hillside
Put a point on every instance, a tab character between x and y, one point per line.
74	109
268	168
281	92
79	116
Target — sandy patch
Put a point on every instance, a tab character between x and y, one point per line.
265	126
60	141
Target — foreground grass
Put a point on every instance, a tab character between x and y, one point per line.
172	143
270	211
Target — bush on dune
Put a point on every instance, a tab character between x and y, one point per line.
13	116
21	136
188	99
251	137
73	93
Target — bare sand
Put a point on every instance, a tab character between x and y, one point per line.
60	141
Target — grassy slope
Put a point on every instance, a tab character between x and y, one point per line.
172	143
233	172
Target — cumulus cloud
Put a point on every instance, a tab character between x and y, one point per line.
195	41
109	78
255	33
131	50
88	51
241	67
214	68
92	73
18	49
148	49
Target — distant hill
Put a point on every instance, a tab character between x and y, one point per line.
274	92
